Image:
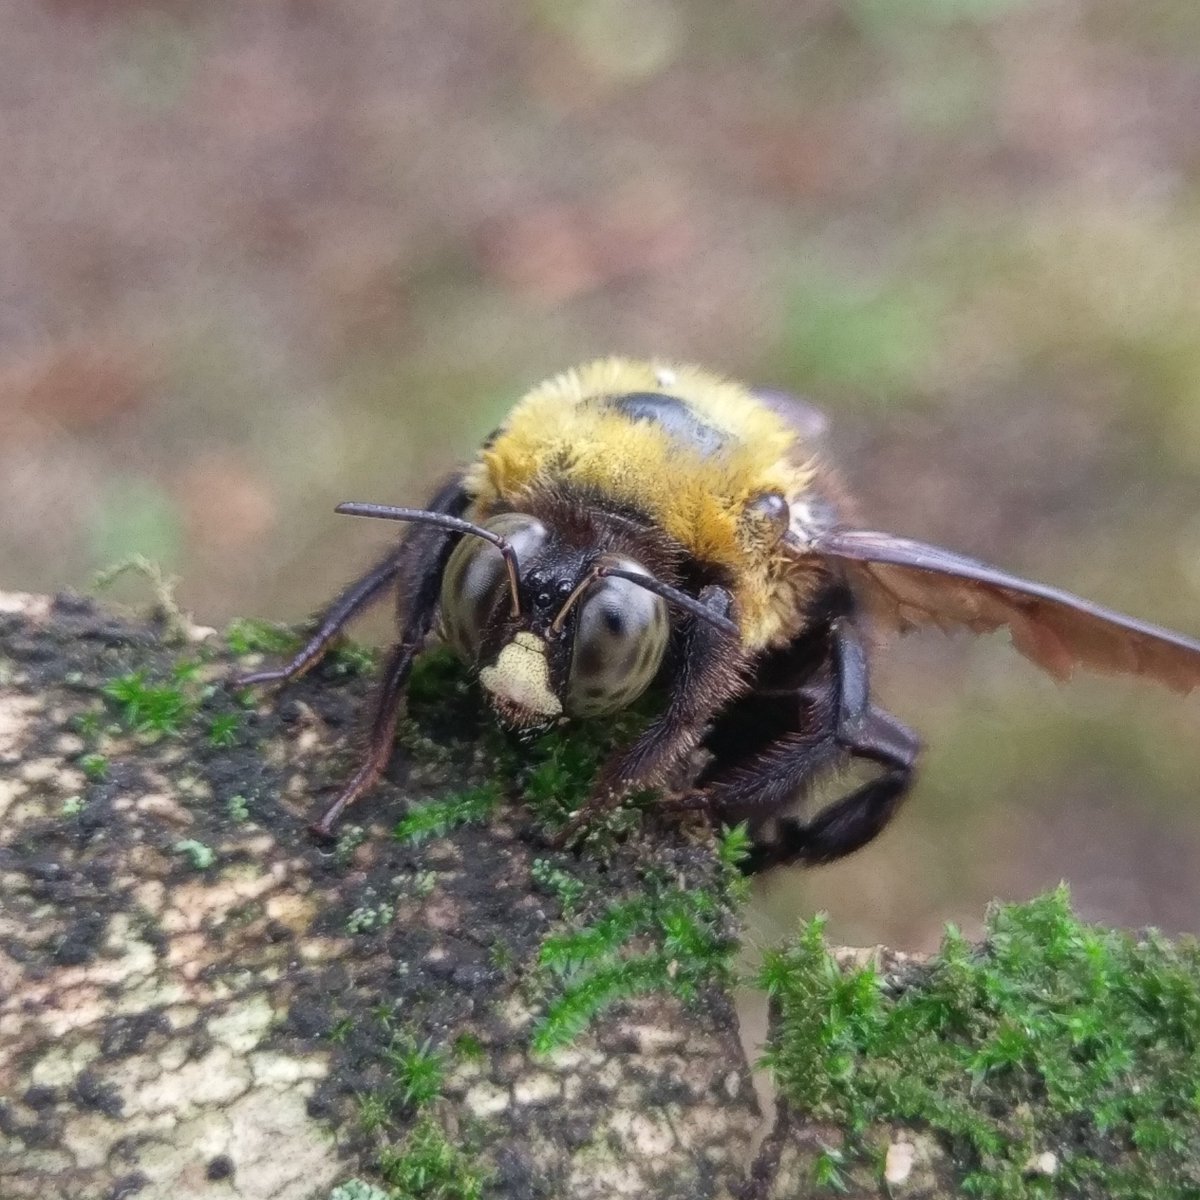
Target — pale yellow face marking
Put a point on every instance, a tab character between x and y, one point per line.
522	676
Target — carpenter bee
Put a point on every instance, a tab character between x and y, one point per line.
633	523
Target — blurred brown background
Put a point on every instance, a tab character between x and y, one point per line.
258	258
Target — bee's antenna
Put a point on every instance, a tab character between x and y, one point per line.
665	590
569	603
422	516
675	596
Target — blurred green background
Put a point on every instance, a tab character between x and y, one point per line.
259	258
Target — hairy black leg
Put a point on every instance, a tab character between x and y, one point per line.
707	672
381	738
427	549
357	596
768	746
850	823
794	739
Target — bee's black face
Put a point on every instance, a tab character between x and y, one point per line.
581	645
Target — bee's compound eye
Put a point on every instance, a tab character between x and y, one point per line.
620	639
475	581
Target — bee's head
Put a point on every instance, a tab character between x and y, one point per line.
555	626
553	629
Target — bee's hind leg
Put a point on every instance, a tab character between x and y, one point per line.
774	748
858	818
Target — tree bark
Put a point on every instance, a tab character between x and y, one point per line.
197	1000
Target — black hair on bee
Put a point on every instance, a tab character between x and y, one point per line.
633	523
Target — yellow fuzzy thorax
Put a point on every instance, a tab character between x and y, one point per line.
553	436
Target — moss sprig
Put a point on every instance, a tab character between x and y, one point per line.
672	940
250	636
438	817
149	707
423	1164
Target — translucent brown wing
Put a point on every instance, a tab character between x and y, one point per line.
801	415
906	583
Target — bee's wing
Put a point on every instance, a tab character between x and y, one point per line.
801	415
907	583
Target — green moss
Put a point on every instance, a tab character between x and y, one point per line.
555	772
421	883
568	889
340	1030
468	1048
352	659
147	707
187	670
349	838
733	848
374	1111
554	775
160	707
88	724
827	1170
426	1166
355	1189
238	808
223	729
669	939
1054	1036
438	817
501	956
423	1165
435	675
201	856
370	918
416	1071
95	767
246	636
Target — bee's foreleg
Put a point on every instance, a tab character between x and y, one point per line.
357	596
702	678
382	736
705	676
418	567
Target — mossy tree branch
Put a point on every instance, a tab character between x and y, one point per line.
198	1001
